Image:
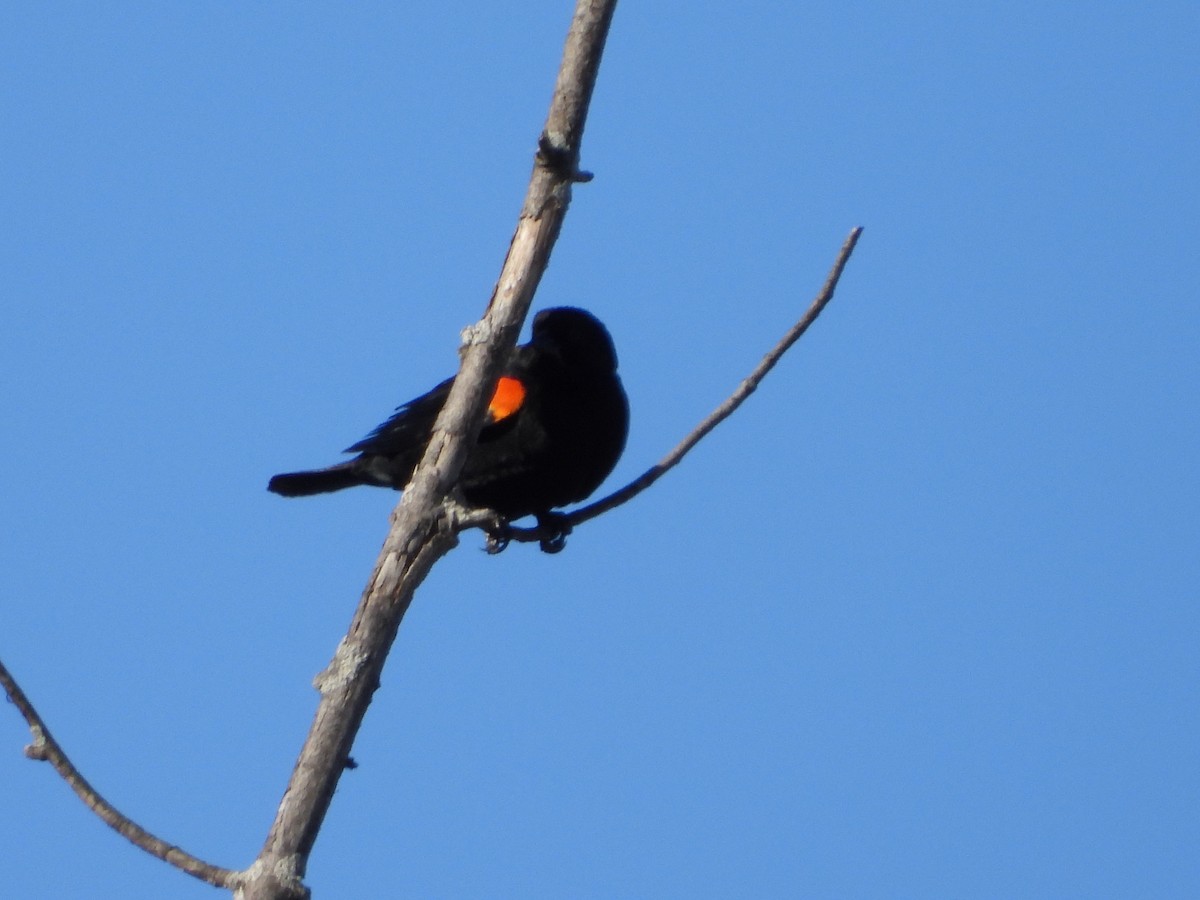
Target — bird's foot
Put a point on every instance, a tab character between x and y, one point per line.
551	533
499	536
555	528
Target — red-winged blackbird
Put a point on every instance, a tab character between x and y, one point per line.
556	426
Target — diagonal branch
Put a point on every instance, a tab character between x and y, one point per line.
500	532
421	532
45	747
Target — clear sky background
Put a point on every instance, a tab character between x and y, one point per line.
920	621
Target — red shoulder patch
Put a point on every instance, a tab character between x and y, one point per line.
509	395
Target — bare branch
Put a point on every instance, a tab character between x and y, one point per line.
421	531
500	532
45	747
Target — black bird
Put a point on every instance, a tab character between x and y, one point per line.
556	426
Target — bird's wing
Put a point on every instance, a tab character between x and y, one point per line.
410	424
408	427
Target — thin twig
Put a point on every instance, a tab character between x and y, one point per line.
45	747
490	521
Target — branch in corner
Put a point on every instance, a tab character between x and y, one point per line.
46	748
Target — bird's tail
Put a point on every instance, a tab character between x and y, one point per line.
318	481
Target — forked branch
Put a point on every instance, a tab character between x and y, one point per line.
421	532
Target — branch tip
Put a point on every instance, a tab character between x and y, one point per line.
46	748
551	535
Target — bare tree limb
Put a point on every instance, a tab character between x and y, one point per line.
46	748
425	524
500	533
421	532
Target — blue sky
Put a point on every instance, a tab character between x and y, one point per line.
919	621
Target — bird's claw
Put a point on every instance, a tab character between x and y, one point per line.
558	527
498	539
